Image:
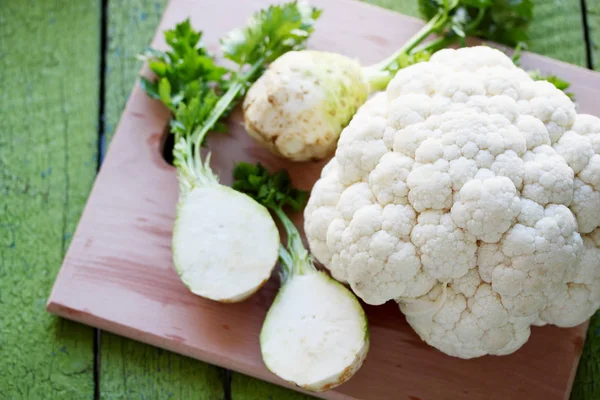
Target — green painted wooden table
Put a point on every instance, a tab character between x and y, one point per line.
66	70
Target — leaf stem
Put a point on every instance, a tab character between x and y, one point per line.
380	74
198	171
480	13
287	262
434	45
296	259
223	103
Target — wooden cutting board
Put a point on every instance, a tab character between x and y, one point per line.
118	276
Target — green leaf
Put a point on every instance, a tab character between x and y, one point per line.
477	3
183	37
158	67
164	92
189	116
270	33
220	127
559	83
429	8
507	21
187	79
516	58
151	88
271	190
502	21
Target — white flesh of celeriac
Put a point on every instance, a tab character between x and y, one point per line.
225	244
315	334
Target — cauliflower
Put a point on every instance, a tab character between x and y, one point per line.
469	194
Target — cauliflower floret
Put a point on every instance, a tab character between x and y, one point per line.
580	148
436	236
579	294
486	209
547	178
388	179
469	194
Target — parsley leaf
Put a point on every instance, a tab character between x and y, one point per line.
270	33
559	83
503	21
273	191
183	71
506	22
537	75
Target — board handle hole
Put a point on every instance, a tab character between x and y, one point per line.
168	142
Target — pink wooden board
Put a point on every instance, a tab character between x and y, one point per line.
118	276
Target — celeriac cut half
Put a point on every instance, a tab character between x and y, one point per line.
315	334
224	243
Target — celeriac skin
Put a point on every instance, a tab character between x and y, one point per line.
298	107
469	194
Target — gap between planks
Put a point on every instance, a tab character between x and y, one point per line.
100	150
586	35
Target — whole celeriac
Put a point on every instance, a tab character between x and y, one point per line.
469	194
302	103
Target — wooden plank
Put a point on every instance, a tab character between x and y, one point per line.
587	382
131	369
557	31
118	273
244	387
131	26
48	138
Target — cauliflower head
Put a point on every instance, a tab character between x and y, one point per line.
469	194
299	106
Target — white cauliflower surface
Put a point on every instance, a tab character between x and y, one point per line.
469	194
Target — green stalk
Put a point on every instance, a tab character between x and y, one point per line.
434	45
421	35
480	14
295	259
196	171
223	103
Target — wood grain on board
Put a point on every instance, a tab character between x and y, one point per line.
118	274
